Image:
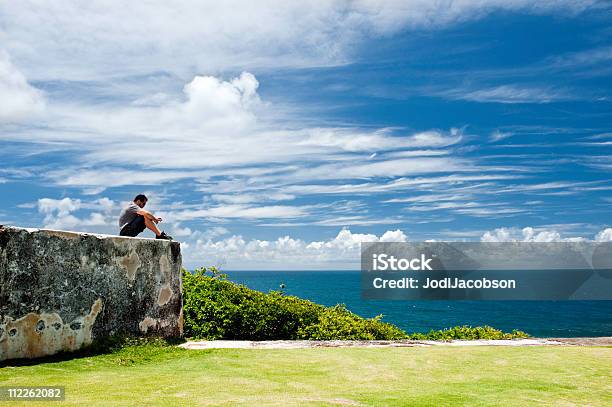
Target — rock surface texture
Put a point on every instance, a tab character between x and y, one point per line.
61	290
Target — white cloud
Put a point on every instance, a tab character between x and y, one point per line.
187	36
19	100
490	212
215	231
344	241
430	198
238	212
546	186
581	58
97	180
527	234
285	252
60	206
220	123
435	138
222	126
530	235
510	94
386	168
379	140
177	231
394	236
71	222
247	198
341	251
211	99
399	184
498	135
604	235
58	214
357	221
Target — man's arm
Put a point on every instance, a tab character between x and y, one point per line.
148	215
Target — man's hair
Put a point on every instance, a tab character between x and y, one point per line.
141	197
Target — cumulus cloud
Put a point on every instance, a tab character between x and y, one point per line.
179	231
604	235
209	98
348	241
527	234
285	252
341	251
19	100
59	214
60	206
71	222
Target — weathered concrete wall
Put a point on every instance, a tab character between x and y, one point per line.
60	290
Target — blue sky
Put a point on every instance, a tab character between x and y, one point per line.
281	135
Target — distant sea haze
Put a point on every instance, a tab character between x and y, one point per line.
538	318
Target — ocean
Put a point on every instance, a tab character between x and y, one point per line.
538	318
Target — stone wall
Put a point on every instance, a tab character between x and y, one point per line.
61	290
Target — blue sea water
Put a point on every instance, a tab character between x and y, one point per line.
538	318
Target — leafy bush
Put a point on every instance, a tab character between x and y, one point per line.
339	323
214	308
468	332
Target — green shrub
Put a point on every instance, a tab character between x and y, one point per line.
468	332
339	323
215	308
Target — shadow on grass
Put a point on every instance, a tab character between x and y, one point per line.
103	346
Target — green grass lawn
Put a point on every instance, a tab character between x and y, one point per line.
153	375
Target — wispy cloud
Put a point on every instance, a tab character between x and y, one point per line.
242	212
580	59
224	124
508	94
210	36
499	135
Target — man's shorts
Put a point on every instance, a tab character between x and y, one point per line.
134	228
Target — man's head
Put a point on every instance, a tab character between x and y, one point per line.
141	200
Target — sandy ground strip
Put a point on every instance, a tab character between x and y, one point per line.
224	344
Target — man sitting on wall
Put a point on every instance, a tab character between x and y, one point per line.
134	220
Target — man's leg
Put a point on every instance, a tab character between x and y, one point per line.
139	224
151	226
135	227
